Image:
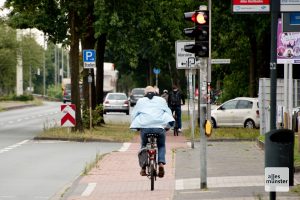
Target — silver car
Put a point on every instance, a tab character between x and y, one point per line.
116	102
238	112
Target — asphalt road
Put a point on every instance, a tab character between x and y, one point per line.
31	169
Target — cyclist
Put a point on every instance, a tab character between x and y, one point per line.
151	114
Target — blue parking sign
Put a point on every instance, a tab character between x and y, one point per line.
89	55
89	58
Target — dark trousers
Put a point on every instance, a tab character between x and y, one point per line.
177	110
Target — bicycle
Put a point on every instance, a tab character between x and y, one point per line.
151	162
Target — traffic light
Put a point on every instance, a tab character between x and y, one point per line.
200	32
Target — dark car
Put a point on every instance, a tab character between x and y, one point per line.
67	93
136	94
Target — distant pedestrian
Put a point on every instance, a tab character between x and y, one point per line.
165	95
174	101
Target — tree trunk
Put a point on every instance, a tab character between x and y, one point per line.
252	67
74	65
101	42
88	42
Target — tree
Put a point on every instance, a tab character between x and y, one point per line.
54	19
8	46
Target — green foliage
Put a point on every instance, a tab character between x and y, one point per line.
54	92
25	97
8	60
96	116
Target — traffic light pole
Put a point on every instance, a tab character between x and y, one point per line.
275	11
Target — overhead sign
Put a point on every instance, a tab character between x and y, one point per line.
181	55
250	6
220	61
89	58
289	5
68	115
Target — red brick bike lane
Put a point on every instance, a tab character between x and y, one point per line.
117	176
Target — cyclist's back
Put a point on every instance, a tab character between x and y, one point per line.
151	114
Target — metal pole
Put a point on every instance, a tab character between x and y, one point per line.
90	98
30	80
191	100
156	80
275	11
204	78
44	67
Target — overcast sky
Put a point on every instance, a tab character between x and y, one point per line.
2	13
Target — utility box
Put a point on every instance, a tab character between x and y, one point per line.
279	150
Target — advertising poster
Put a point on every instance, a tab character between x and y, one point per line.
250	6
288	46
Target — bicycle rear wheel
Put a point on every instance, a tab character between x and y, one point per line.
152	174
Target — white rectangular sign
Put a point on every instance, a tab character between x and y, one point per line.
289	5
276	179
181	55
220	61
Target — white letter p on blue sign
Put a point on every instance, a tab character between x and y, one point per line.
89	55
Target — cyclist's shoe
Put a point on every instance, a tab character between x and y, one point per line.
143	172
161	171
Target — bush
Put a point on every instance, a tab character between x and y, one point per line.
55	92
24	97
96	114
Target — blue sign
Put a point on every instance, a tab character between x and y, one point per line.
89	58
89	55
156	71
295	18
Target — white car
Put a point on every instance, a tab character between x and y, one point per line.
238	112
116	102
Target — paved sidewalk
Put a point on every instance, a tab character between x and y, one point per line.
235	171
117	177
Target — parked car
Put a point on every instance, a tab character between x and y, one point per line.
116	102
66	93
135	95
238	112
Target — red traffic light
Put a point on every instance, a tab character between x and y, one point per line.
201	17
198	17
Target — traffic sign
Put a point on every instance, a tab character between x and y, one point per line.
89	58
289	5
68	115
220	61
156	70
181	55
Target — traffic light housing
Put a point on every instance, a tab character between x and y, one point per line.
200	32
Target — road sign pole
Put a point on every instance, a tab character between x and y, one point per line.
275	11
90	98
191	61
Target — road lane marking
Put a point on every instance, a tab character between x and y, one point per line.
217	182
89	189
11	147
125	147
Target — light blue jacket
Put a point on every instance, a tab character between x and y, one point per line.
151	113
